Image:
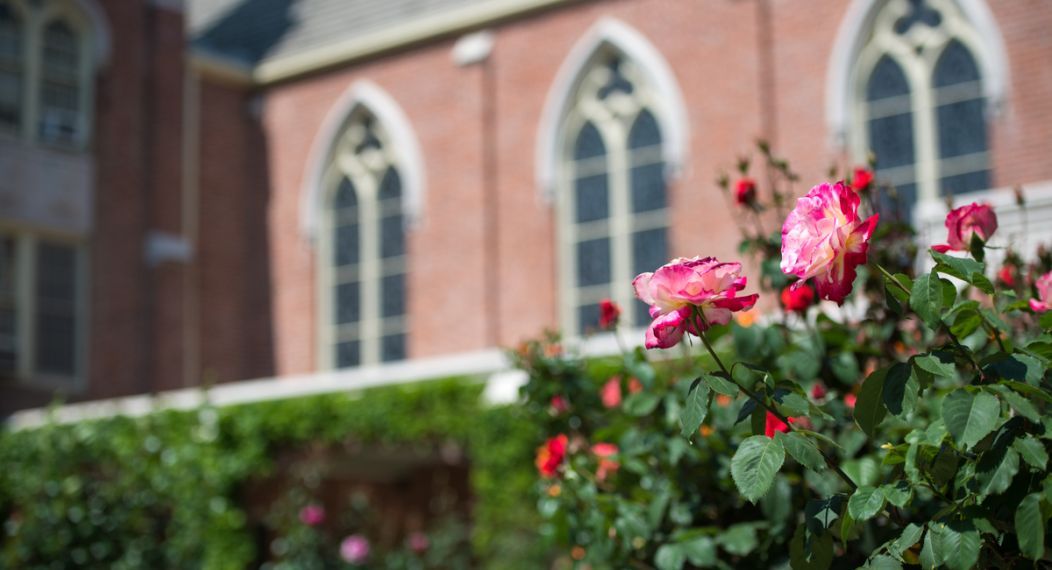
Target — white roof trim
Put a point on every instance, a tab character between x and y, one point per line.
850	39
672	116
410	160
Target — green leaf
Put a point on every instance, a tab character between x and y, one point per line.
970	417
960	545
641	403
802	450
701	551
695	410
793	404
869	409
931	555
1032	451
964	322
998	479
670	557
926	299
938	364
964	269
865	503
898	494
739	539
883	562
1021	405
1030	527
755	464
910	535
720	385
900	390
817	555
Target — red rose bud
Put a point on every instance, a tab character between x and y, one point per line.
609	314
1007	276
799	299
559	405
850	400
818	391
861	179
745	192
550	456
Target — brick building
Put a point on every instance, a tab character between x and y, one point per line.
222	190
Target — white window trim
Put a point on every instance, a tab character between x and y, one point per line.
672	116
371	325
26	241
989	51
87	20
400	133
880	40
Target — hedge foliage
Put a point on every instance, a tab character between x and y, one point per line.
162	491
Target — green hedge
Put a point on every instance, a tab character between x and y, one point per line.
162	491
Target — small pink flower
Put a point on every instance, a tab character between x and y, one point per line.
609	314
964	222
850	400
610	393
312	515
824	238
745	192
559	405
773	424
682	286
354	549
418	542
607	466
861	179
1044	294
798	299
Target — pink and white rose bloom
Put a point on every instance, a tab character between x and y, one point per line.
964	222
354	549
682	286
312	515
824	239
1044	293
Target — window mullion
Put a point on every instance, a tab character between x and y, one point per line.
924	131
370	272
25	306
620	217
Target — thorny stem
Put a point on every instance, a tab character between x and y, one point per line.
892	278
701	327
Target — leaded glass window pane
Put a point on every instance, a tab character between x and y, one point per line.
56	289
589	143
593	262
645	131
649	250
891	140
348	305
8	323
962	128
393	347
886	80
592	198
60	87
969	182
648	187
956	65
393	295
587	317
11	67
348	354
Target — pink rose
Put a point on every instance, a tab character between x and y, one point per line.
312	515
850	400
964	222
607	466
824	238
682	286
418	542
610	393
745	192
1044	293
354	549
609	314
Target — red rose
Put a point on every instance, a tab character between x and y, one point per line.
850	400
559	405
774	424
1007	276
550	456
861	179
607	466
745	192
799	299
818	391
609	314
610	393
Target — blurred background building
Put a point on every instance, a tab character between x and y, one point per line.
208	191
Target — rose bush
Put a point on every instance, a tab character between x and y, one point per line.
910	430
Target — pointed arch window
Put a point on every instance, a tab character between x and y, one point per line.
12	65
364	253
612	202
920	100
